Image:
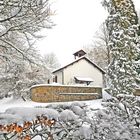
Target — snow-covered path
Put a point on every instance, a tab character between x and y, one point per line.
11	103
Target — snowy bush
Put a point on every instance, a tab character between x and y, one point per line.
119	120
62	121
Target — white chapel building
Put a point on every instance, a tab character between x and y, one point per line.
81	71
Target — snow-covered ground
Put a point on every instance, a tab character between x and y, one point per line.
19	111
27	110
12	103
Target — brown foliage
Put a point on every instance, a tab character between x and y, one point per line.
24	132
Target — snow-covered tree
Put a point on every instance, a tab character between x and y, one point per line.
120	117
51	61
20	22
97	54
122	25
16	79
98	51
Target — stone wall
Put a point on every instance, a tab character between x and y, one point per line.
137	93
52	93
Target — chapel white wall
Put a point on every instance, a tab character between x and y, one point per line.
83	68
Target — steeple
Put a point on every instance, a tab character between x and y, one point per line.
79	54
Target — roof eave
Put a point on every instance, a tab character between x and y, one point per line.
77	61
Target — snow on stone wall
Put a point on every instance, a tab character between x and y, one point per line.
49	93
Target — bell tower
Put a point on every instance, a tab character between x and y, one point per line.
79	54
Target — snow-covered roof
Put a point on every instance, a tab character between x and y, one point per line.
85	79
81	58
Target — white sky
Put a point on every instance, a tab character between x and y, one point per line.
77	22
